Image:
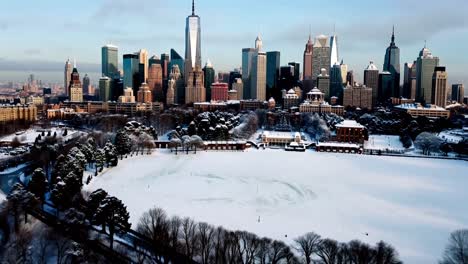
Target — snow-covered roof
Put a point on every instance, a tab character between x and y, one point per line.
337	144
419	106
372	67
350	124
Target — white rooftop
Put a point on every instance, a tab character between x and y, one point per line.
350	123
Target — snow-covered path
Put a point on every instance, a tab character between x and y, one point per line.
411	203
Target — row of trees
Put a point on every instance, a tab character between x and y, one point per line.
208	244
185	143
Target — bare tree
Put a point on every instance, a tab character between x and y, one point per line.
17	249
249	244
456	251
307	245
279	251
328	251
360	252
206	234
174	231
427	143
386	254
189	236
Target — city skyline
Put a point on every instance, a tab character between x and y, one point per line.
359	41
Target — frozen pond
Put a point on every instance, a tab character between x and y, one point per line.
411	203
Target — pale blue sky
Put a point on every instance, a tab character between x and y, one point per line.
49	31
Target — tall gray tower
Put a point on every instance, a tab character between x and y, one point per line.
67	75
192	43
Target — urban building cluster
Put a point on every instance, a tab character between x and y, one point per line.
323	84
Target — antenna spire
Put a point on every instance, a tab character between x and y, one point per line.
193	7
74	62
393	34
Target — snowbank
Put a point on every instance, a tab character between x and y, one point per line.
411	203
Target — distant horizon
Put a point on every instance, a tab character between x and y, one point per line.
159	26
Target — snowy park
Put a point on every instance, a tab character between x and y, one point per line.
410	203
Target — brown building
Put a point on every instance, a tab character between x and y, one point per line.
252	105
155	82
195	91
315	103
371	80
439	87
18	112
350	131
144	94
357	96
130	109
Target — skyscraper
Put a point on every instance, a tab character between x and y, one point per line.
195	91
371	80
75	88
155	82
247	57
86	84
176	59
320	56
350	77
336	83
209	73
175	79
308	84
67	76
165	61
323	83
425	66
385	86
131	69
334	56
144	94
344	71
110	61
143	58
105	89
439	87
258	78
238	86
297	70
192	43
458	93
273	67
392	65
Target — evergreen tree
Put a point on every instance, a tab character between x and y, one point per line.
113	214
94	201
38	184
100	160
19	200
123	143
110	154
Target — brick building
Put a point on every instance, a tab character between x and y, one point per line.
351	131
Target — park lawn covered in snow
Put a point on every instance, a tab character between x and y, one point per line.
384	143
411	203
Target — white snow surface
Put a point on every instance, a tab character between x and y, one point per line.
411	203
30	135
384	142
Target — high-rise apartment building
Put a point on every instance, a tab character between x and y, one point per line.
357	96
165	62
110	61
219	91
344	71
238	86
178	85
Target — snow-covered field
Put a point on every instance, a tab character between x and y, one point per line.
30	135
411	203
384	142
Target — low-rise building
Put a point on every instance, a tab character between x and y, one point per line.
416	109
351	131
280	138
252	105
113	107
315	103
